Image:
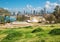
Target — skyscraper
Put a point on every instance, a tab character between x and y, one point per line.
44	10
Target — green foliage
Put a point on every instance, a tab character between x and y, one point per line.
0	31
3	14
56	13
55	32
25	35
42	40
37	30
28	35
41	35
2	19
6	31
52	26
28	27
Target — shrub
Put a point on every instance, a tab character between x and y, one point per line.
37	30
14	34
28	27
52	26
12	37
55	32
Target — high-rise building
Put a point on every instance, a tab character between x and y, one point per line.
44	10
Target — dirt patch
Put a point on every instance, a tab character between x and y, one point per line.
10	25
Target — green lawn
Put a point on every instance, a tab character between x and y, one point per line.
30	34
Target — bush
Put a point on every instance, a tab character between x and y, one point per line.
28	27
55	32
52	26
37	30
12	37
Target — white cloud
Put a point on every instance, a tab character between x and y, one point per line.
50	5
38	9
6	8
29	7
47	4
54	4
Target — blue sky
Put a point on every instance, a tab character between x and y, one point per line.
10	4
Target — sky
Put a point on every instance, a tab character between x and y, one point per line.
28	4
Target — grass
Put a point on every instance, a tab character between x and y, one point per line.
12	37
38	29
24	34
55	32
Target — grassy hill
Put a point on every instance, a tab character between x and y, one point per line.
31	34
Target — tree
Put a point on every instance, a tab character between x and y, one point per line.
1	19
50	18
4	13
56	13
21	17
18	16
